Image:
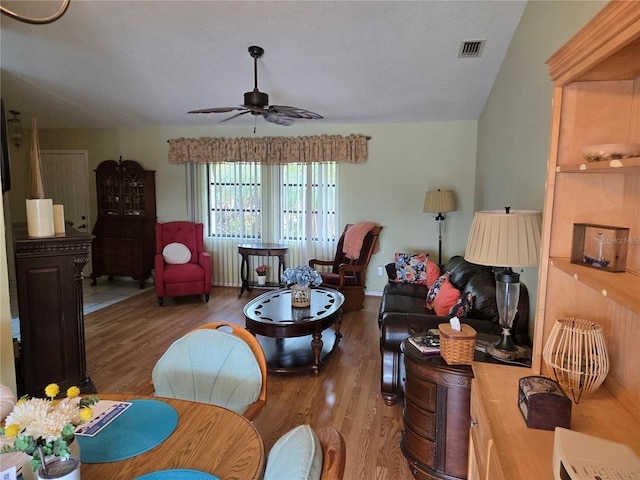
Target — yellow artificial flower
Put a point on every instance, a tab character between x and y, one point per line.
52	390
73	392
21	401
12	430
86	414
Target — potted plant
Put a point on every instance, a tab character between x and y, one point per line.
262	270
43	428
301	279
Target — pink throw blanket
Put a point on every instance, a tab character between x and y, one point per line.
354	237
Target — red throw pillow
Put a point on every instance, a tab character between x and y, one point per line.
446	298
433	272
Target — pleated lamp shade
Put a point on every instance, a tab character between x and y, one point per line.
501	239
439	201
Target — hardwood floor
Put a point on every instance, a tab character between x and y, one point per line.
124	341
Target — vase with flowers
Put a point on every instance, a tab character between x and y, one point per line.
43	428
261	271
301	279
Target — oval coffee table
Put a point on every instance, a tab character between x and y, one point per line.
295	339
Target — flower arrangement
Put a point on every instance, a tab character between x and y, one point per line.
303	276
262	270
46	426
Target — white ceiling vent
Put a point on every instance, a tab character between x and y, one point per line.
471	48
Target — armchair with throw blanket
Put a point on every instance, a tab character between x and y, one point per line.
348	272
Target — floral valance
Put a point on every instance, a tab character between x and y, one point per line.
272	150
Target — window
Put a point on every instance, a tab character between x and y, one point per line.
297	202
235	200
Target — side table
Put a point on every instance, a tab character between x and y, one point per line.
260	250
436	415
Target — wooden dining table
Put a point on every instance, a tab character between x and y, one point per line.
207	438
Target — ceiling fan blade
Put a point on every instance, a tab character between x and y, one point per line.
216	110
276	118
234	116
294	112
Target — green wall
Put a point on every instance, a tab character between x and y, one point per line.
513	130
404	161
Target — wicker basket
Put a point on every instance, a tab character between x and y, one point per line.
457	348
300	296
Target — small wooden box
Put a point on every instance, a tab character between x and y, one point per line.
457	348
600	246
543	404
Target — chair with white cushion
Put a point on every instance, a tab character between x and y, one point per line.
182	267
209	365
303	454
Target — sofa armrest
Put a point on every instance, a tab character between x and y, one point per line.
395	327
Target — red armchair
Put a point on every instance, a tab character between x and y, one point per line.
182	267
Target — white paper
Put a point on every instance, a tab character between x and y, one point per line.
9	474
455	323
104	412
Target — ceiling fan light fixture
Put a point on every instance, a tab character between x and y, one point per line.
257	102
256	99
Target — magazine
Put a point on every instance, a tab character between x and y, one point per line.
428	345
105	411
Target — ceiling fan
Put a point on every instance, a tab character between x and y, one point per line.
257	102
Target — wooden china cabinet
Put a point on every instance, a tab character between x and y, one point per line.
596	101
124	232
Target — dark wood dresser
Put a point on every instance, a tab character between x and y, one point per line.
49	275
124	232
436	416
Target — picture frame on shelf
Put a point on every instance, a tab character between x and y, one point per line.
600	246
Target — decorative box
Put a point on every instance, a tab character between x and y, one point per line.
457	347
543	404
600	246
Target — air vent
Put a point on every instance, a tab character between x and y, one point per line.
471	49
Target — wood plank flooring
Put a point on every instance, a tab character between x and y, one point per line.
124	341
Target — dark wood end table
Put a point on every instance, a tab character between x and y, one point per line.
295	339
260	250
436	416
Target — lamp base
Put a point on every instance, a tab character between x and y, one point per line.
508	355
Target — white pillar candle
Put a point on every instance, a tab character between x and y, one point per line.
40	217
58	219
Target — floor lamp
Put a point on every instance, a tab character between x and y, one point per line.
509	238
439	201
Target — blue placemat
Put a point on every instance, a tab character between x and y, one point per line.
177	474
145	424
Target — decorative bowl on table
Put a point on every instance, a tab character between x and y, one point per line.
610	151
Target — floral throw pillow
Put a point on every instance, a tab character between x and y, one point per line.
411	268
434	289
462	306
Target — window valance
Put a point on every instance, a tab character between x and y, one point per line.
272	150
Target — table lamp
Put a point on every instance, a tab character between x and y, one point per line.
507	239
439	201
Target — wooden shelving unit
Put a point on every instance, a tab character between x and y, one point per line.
611	166
596	101
621	288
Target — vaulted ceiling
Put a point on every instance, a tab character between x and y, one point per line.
146	63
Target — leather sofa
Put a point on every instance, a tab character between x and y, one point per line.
403	313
